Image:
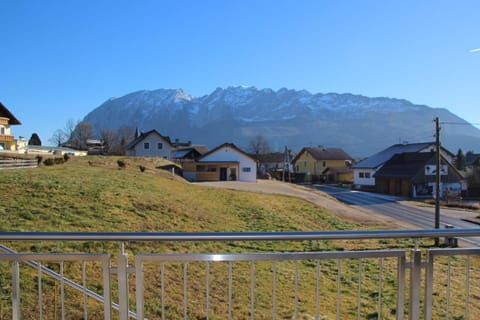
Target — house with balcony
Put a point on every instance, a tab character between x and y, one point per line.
324	164
7	139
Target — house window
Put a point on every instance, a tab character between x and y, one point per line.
361	175
160	146
146	145
2	130
324	164
246	169
367	175
201	168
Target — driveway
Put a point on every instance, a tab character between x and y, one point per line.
319	198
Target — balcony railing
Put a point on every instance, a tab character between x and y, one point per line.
7	138
416	282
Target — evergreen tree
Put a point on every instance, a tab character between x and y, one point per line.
460	161
34	140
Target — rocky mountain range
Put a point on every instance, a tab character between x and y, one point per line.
358	124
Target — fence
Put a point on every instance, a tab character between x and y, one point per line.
18	163
414	283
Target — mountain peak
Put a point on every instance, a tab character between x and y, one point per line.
297	118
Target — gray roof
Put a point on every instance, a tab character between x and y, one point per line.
133	143
383	156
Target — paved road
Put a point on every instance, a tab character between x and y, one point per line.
395	207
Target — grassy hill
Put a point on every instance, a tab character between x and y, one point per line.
95	194
133	194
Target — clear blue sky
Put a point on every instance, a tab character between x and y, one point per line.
61	59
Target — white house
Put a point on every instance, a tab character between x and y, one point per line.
364	171
226	162
150	144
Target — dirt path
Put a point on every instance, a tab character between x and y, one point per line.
321	199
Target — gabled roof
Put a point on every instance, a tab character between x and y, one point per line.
405	165
186	152
325	154
136	141
274	157
383	156
226	145
5	113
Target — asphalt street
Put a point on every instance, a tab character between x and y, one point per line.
399	208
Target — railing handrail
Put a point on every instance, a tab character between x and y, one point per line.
238	236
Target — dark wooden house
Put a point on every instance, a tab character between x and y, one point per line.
412	174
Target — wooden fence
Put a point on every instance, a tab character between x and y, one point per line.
18	163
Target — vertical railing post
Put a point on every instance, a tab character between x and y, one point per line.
122	273
139	289
429	287
16	290
415	285
107	290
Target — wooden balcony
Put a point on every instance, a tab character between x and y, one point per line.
7	138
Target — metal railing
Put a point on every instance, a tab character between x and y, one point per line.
415	283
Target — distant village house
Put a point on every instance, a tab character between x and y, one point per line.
7	139
150	144
226	162
324	165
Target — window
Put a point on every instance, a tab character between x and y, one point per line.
160	146
246	169
367	175
324	164
361	175
2	130
146	145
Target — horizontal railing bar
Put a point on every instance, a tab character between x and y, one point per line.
271	256
54	257
238	236
454	251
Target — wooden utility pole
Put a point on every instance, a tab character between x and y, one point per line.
437	176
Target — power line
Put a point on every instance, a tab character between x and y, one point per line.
461	123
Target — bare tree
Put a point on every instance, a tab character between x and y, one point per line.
70	128
258	145
110	140
83	131
58	138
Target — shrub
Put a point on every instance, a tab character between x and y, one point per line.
121	164
59	160
39	159
49	162
142	168
66	157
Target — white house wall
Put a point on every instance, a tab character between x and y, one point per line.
153	151
364	181
248	167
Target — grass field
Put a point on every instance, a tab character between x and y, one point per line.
132	194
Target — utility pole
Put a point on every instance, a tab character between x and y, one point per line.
437	177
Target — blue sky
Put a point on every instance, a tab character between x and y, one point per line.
62	59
